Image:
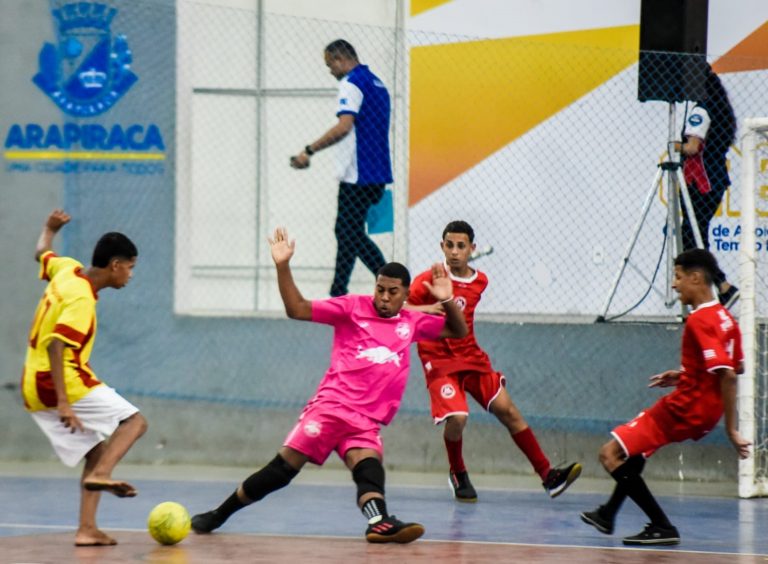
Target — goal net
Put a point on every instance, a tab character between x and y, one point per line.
753	384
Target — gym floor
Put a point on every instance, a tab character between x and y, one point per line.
315	520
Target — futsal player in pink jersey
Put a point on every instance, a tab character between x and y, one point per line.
360	392
454	368
705	388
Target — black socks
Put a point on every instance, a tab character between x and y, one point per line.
629	480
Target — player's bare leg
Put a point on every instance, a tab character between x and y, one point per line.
88	533
507	413
114	448
554	480
458	477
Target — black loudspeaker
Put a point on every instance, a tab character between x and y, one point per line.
673	50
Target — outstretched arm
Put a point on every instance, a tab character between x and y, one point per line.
441	289
330	137
296	307
728	389
56	220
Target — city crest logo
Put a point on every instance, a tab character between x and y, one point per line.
89	70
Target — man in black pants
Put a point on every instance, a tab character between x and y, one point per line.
707	136
365	168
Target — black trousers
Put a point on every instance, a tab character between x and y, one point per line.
704	206
351	237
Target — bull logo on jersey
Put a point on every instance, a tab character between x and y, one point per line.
312	428
461	302
447	391
403	330
379	355
89	70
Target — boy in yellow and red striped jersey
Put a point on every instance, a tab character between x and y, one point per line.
80	415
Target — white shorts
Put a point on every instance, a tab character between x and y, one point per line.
100	412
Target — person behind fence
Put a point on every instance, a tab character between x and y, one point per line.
705	388
81	416
364	163
707	135
360	392
454	368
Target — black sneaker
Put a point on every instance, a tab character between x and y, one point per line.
729	298
206	522
559	479
463	490
653	534
391	529
599	522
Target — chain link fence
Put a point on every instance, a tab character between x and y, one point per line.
542	146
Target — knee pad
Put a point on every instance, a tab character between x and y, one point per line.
275	475
368	474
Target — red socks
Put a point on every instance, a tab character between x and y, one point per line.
455	458
526	441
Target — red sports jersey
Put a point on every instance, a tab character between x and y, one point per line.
466	293
711	340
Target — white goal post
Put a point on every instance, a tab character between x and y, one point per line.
753	383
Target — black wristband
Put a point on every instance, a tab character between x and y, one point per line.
308	150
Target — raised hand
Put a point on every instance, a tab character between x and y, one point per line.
282	248
441	287
57	219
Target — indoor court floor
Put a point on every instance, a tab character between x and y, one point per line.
315	520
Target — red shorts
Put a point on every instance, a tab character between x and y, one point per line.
324	427
448	390
653	429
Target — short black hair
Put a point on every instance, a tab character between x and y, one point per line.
698	259
341	48
396	270
460	226
113	245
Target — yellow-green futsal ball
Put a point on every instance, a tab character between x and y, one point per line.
169	522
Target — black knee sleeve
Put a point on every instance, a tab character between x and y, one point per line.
368	474
275	475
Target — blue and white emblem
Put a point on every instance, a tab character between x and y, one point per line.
89	70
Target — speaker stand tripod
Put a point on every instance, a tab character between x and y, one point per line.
676	186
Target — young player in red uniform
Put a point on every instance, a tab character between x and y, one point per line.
455	367
705	388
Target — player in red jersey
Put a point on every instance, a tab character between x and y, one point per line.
455	367
705	388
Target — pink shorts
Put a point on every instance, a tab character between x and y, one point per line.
448	391
324	427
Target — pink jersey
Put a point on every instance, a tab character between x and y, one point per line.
711	340
370	358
